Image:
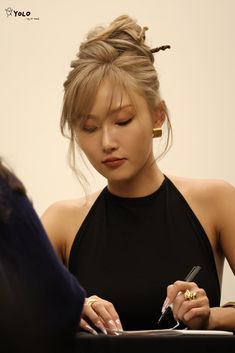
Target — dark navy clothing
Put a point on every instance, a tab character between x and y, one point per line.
40	301
129	249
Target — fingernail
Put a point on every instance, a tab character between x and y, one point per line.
118	323
101	327
89	328
117	334
165	304
112	324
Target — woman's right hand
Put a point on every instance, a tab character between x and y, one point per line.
101	314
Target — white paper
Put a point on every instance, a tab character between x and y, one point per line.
170	332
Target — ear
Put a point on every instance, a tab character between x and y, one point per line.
159	114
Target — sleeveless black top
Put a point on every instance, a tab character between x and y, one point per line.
128	250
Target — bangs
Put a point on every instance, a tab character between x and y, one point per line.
121	85
85	92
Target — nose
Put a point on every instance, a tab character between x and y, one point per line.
108	140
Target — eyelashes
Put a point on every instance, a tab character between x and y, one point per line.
91	129
124	122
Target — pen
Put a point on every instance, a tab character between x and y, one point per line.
190	276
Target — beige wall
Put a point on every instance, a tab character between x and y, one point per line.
197	78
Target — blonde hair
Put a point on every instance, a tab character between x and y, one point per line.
117	53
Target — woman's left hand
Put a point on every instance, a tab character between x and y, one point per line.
190	304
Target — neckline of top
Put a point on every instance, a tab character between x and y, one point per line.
137	199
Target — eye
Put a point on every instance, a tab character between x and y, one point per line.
123	122
89	129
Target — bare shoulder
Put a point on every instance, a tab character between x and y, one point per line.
69	209
213	201
62	220
210	189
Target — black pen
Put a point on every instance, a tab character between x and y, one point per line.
190	276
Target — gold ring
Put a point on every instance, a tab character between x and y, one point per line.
91	301
188	295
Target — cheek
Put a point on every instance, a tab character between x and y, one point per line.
83	142
89	148
142	145
83	147
141	138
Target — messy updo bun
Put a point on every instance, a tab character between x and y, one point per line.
120	54
123	36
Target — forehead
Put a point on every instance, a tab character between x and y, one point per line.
111	97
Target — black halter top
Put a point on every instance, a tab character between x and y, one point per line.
128	250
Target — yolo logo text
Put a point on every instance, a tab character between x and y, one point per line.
16	13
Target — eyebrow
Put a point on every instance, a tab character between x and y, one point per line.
112	111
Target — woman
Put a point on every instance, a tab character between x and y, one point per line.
132	244
40	301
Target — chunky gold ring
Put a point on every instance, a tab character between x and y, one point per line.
188	295
91	301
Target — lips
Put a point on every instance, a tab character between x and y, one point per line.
113	162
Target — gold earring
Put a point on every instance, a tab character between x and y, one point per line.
157	132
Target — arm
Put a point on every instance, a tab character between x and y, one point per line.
62	221
56	221
224	317
218	201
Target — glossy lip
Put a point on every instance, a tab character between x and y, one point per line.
113	162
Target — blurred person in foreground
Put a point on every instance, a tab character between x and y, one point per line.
40	301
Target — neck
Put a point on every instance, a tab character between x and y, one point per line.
142	185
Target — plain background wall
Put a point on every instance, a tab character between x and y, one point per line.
197	82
